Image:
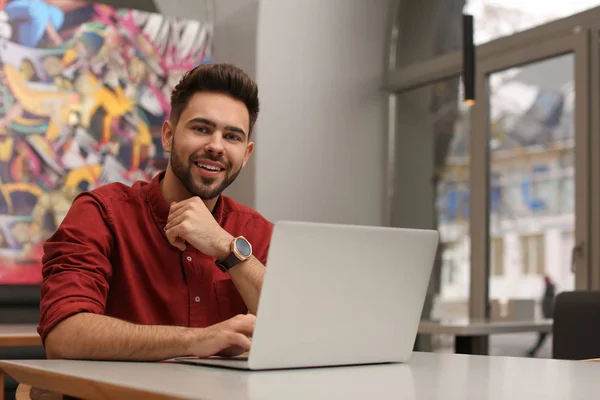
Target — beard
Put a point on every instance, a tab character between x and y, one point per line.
202	187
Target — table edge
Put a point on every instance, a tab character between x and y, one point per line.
75	386
17	341
435	329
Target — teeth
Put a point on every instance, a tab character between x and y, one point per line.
210	167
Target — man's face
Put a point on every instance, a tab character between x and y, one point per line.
209	146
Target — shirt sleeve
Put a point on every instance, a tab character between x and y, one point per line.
76	268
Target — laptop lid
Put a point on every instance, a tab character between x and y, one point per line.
341	295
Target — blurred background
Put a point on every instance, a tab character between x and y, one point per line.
363	121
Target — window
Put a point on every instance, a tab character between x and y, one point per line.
450	259
499	18
497	256
532	254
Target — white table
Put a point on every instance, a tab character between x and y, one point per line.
425	376
466	330
19	335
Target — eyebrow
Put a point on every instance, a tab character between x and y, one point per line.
214	125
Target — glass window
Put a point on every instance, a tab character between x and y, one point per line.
531	174
499	18
532	255
450	267
497	256
432	141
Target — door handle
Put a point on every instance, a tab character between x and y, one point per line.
576	253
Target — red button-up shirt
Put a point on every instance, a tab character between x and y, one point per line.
110	256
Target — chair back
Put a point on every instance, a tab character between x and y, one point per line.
576	332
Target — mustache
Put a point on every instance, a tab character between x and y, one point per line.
210	157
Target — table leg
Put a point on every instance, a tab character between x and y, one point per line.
463	344
471	345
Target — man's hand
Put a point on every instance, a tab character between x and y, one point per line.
227	339
87	336
190	221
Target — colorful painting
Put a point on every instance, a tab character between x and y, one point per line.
84	90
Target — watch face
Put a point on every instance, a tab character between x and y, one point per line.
243	247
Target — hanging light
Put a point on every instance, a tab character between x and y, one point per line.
468	60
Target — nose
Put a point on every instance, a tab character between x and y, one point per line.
215	145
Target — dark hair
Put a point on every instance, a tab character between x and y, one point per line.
219	78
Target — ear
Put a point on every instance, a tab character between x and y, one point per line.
249	150
167	135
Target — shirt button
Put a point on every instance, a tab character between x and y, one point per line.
189	258
197	299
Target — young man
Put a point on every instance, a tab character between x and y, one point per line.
171	267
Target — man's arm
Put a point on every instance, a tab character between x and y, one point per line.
98	337
77	271
190	221
248	278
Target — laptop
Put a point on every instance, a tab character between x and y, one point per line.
337	295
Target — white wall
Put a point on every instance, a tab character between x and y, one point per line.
235	42
414	190
320	136
197	10
235	23
321	131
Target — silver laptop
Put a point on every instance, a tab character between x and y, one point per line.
338	295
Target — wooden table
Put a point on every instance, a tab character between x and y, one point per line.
19	335
424	376
466	330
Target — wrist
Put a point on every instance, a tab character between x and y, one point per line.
190	337
223	247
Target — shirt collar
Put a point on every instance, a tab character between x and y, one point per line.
160	208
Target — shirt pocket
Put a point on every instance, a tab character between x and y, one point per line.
229	300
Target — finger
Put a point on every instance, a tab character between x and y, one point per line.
181	204
174	238
232	351
175	221
245	324
171	234
176	210
241	340
180	244
184	205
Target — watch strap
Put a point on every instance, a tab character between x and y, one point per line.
229	262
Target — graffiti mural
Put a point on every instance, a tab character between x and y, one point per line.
84	89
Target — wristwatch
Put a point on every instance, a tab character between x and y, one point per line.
241	250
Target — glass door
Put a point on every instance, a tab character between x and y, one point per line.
531	206
594	87
530	178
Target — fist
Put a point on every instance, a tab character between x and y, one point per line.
229	338
190	221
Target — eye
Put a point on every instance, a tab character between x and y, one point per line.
232	136
201	129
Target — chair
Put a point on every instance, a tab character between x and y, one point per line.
576	332
18	353
25	392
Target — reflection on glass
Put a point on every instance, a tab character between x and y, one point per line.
435	115
531	186
453	214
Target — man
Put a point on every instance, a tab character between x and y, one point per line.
547	312
165	269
